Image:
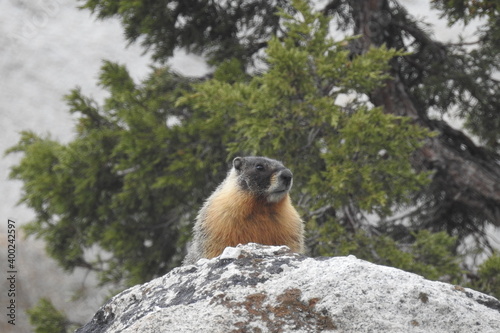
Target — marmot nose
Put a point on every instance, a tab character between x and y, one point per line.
286	177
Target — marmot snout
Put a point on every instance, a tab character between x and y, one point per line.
251	205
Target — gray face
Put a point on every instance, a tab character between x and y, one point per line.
265	177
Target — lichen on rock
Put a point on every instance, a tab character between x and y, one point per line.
256	288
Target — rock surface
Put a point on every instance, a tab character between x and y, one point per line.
255	288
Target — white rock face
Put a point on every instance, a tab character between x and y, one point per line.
256	288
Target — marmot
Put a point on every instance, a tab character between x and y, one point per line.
251	205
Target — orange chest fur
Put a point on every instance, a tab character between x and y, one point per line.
238	218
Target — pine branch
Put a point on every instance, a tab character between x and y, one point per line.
465	172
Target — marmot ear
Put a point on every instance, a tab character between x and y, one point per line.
238	163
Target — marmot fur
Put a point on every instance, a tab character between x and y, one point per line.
251	205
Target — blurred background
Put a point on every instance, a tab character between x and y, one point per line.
48	48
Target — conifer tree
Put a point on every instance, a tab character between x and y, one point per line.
435	78
142	162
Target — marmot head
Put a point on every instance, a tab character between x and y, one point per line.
263	177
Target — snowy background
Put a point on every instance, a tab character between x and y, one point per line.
48	48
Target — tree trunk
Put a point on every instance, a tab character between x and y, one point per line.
465	192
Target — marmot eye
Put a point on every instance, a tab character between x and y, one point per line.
259	167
